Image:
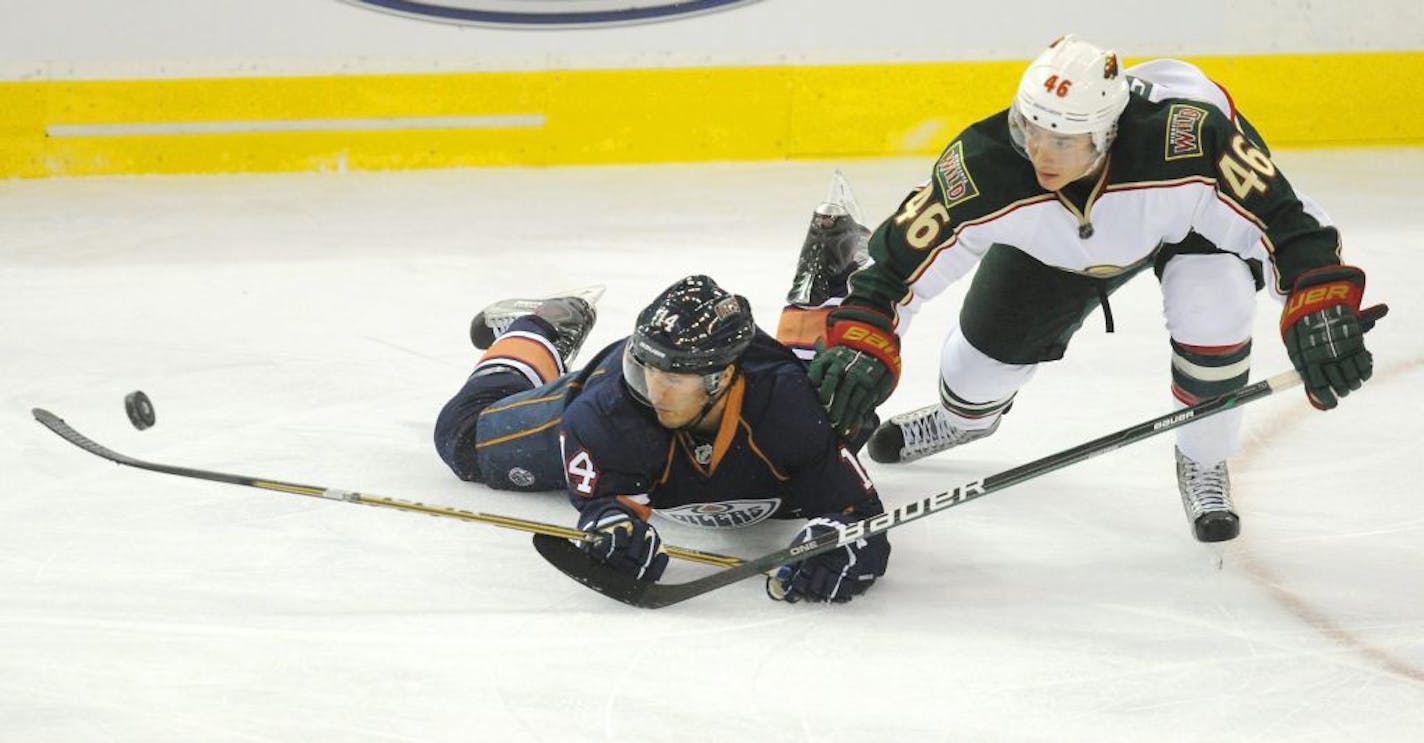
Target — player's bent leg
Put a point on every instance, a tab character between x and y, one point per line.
455	426
1209	303
516	440
975	392
523	358
1018	312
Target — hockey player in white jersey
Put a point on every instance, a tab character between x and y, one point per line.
1089	178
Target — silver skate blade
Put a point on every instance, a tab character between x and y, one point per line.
507	309
1216	553
840	199
590	294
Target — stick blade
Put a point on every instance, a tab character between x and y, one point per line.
571	561
65	431
568	558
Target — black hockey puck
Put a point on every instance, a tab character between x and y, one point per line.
140	409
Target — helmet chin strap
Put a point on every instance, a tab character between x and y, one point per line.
711	402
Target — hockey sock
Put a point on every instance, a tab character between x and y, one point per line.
527	347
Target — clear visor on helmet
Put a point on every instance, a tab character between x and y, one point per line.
1025	133
639	374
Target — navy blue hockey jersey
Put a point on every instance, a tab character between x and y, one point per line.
774	456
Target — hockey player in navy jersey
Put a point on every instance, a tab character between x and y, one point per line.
1091	177
698	417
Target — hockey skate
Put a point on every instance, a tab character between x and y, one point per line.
1206	497
835	247
571	313
918	434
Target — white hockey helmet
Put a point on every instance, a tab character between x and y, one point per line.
1073	87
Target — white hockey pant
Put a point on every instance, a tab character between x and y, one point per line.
1209	302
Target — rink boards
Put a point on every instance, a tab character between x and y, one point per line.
572	117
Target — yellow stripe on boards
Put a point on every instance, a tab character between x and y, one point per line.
1326	100
379	122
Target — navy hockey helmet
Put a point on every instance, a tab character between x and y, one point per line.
693	327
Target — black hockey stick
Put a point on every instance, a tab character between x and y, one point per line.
562	533
566	556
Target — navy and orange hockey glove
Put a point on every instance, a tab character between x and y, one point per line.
858	369
1324	332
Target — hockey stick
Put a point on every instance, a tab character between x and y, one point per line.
562	533
568	558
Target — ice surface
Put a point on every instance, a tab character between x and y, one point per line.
308	327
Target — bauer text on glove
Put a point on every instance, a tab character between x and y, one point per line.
859	369
1324	331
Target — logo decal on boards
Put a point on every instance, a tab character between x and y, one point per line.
548	13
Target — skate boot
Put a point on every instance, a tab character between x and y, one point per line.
918	434
572	315
1206	497
835	247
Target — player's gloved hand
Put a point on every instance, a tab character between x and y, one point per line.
837	575
627	543
858	369
1323	328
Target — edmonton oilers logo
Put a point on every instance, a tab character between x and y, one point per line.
548	13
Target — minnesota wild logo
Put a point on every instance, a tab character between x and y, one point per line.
548	13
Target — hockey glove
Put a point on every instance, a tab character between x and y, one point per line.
835	576
626	543
859	369
1323	328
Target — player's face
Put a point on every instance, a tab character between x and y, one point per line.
677	398
1058	159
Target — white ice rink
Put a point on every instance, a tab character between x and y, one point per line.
308	327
